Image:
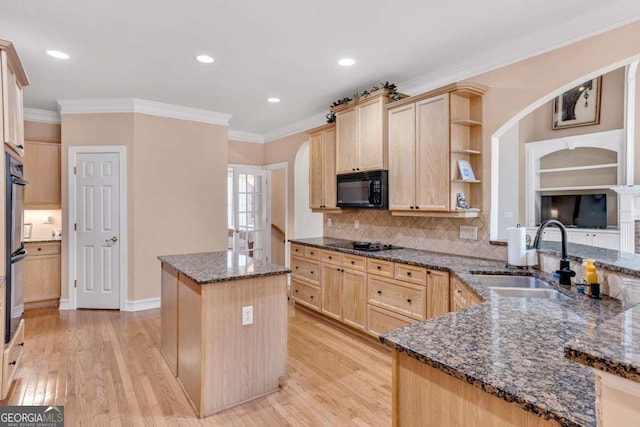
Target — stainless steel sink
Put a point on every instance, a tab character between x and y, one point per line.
506	281
530	293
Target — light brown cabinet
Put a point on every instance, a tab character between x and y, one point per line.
461	296
322	168
344	289
437	293
169	317
428	134
361	133
419	156
42	170
42	276
14	80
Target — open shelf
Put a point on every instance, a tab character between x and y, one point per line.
466	122
467	181
466	151
581	187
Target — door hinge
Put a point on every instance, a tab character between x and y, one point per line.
75	283
75	170
75	226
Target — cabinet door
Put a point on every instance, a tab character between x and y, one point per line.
329	159
432	154
332	291
42	170
169	317
12	106
402	165
41	278
354	299
316	169
346	141
606	240
437	293
579	236
371	135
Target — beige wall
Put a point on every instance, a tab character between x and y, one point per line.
162	216
285	150
246	153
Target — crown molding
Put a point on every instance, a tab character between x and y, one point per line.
238	135
141	106
297	127
41	116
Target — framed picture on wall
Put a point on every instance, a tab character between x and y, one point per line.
27	230
579	106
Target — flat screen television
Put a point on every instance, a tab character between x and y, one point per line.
576	210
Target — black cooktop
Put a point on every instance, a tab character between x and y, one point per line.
372	246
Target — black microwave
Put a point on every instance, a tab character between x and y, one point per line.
363	190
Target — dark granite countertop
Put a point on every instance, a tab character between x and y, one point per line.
613	347
210	267
512	348
43	239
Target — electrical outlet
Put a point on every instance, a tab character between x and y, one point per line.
468	232
328	222
356	224
247	315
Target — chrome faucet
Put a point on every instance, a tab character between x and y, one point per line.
565	271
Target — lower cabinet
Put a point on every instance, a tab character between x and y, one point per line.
461	295
11	358
368	294
168	317
42	276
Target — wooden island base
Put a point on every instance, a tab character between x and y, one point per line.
426	397
219	362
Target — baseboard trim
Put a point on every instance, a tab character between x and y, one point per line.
142	304
64	304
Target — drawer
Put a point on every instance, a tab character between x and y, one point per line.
380	267
47	248
458	295
12	356
305	294
354	262
309	270
311	253
411	273
381	320
400	297
297	250
331	257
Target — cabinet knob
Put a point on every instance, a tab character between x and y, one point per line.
417	207
330	257
409	300
297	267
428	271
379	292
311	253
20	146
39	249
353	169
311	296
12	363
410	207
311	272
379	267
408	273
337	269
353	262
21	344
296	291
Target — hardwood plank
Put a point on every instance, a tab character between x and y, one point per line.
106	368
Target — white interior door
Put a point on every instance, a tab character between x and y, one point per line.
97	234
249	226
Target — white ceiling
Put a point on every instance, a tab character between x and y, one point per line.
284	48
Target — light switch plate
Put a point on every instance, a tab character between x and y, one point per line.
356	224
468	232
247	315
328	222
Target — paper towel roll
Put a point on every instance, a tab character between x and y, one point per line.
517	246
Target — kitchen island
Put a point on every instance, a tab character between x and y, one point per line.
224	327
499	363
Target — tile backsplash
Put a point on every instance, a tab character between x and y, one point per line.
427	233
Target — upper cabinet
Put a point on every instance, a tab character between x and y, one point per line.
322	168
42	170
429	135
361	129
13	80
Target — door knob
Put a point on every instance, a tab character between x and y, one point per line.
114	239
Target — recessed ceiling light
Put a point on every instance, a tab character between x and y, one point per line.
346	62
57	54
273	100
205	59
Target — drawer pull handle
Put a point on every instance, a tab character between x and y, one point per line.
379	267
408	273
311	253
21	344
379	292
409	300
337	269
39	249
296	267
311	272
12	363
353	262
311	296
296	291
330	257
428	271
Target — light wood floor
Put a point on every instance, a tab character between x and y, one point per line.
105	368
